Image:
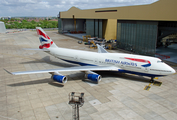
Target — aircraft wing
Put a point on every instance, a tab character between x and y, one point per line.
79	68
36	49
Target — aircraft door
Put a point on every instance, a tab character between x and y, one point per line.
146	69
96	61
76	58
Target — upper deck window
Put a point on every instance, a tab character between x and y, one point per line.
159	62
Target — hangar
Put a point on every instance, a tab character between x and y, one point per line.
137	28
2	27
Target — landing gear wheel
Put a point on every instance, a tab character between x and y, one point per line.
151	81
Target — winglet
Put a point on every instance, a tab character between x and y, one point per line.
101	49
8	71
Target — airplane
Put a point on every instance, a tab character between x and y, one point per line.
98	61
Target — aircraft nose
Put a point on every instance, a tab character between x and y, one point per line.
173	71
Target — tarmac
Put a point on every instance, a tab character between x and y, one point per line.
37	97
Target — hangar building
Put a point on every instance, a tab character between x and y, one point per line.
2	27
138	28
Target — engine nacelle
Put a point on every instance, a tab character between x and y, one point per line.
93	77
59	78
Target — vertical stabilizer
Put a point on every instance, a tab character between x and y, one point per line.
45	40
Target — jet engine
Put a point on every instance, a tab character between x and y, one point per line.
59	78
93	76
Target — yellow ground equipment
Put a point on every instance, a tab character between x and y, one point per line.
93	45
155	83
110	44
85	38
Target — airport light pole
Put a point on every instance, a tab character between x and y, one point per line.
76	100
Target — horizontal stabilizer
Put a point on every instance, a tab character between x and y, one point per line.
101	49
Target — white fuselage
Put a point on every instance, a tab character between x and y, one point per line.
156	66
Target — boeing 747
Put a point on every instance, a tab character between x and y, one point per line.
98	61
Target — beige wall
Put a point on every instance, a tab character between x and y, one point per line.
110	29
162	10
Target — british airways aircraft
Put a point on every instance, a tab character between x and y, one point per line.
98	61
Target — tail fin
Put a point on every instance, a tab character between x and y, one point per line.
45	40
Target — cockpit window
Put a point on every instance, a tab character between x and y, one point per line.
159	62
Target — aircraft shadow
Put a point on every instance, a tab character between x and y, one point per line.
71	77
30	82
109	74
41	81
80	76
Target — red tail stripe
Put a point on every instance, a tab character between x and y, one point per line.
41	33
47	45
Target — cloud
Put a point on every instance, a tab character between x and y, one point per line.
13	3
52	7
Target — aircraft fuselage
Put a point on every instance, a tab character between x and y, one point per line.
128	63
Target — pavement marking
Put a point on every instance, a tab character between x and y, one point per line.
147	87
8	117
156	83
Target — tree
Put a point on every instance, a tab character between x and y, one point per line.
49	25
12	19
23	21
30	25
33	22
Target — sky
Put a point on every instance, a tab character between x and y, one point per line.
45	8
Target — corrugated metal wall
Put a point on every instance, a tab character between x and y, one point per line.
59	25
94	27
90	27
139	37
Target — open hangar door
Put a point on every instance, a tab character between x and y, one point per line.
69	25
167	41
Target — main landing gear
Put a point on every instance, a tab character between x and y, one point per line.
152	80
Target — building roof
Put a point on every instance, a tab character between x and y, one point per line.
162	10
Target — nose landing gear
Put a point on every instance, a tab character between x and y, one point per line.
153	82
